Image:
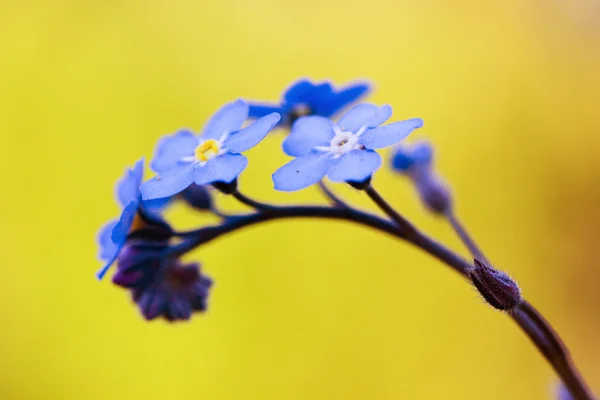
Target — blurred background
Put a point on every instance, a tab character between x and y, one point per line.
510	94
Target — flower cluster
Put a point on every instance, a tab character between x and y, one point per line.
148	251
187	164
145	247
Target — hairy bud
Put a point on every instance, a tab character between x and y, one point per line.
496	287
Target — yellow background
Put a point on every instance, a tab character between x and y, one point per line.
509	92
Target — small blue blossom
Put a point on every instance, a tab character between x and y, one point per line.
183	158
406	157
113	235
305	98
343	151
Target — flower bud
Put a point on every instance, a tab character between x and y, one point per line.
138	263
497	288
434	193
198	196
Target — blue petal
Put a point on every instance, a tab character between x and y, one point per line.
228	119
402	159
389	134
101	272
302	172
128	188
121	229
251	135
260	110
422	153
156	206
308	132
297	90
168	183
344	98
368	115
171	149
223	168
355	166
107	247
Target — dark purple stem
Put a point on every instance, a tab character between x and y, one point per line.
530	321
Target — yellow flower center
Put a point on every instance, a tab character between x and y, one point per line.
207	150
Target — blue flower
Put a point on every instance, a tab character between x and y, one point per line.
113	235
305	98
184	158
405	158
343	151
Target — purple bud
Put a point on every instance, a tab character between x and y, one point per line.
433	193
138	263
496	287
178	290
198	196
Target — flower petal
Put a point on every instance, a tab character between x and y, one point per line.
343	98
228	119
107	247
368	115
389	134
223	168
308	132
168	183
297	91
128	188
121	229
251	135
172	148
260	110
355	166
302	172
102	271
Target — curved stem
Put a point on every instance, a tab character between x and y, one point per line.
465	237
335	200
533	323
250	202
402	222
528	319
526	316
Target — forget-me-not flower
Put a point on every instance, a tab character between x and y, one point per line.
113	235
184	158
343	151
305	98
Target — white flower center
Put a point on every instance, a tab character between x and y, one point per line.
342	142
